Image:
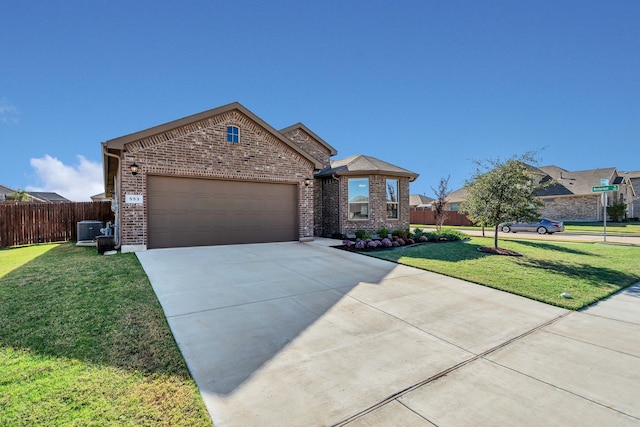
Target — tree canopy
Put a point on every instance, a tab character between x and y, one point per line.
501	191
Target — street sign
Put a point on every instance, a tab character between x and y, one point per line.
604	188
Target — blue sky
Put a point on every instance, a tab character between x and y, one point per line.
428	85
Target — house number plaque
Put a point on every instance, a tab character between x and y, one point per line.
136	199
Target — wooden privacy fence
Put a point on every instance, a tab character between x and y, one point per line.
29	223
426	216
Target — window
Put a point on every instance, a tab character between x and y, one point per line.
392	199
454	207
359	198
233	134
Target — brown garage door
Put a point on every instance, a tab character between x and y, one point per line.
200	212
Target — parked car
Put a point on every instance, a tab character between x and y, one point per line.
543	226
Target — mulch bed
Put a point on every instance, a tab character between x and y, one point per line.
499	251
381	248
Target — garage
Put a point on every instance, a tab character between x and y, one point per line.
201	212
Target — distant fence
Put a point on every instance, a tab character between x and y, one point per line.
29	223
426	216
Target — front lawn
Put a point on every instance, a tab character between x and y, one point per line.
83	341
586	271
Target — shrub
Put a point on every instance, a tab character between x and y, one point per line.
432	236
452	235
360	234
348	243
382	232
399	233
373	243
410	241
400	242
360	244
423	238
386	242
395	244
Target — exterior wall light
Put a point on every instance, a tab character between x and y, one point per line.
307	181
134	168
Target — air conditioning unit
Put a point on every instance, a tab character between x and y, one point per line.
89	229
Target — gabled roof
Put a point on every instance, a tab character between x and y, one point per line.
300	125
47	197
631	175
457	196
119	143
574	183
419	199
6	190
363	165
110	164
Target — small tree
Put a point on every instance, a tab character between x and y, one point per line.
439	204
21	196
503	191
617	211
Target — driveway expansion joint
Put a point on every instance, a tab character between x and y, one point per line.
449	370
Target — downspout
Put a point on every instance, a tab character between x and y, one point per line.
116	225
339	203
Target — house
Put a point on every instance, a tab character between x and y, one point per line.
420	201
5	193
570	196
99	198
225	176
8	195
634	205
47	197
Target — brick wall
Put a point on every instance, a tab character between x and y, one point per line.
310	145
201	150
578	208
634	209
336	206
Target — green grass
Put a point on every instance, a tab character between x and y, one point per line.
587	271
624	228
83	341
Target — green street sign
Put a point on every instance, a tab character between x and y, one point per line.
604	188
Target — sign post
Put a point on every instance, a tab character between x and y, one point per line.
604	188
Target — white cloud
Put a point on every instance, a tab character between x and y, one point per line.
77	183
8	112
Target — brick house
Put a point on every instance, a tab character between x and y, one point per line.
569	197
225	176
634	179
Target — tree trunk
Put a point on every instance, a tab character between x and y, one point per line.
495	237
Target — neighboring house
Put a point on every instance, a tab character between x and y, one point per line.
225	176
100	198
7	195
420	201
634	205
570	196
47	197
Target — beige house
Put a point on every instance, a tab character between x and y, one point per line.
570	196
225	176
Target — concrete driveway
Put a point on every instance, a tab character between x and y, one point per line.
300	334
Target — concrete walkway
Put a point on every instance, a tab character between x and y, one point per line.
300	334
